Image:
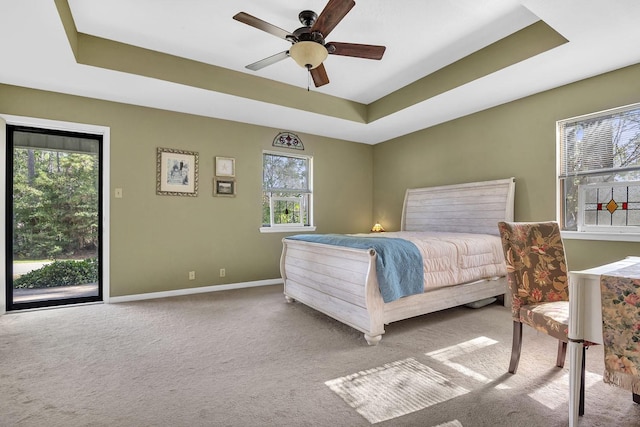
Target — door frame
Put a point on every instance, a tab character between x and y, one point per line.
106	189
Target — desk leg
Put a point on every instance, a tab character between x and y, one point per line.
582	380
575	363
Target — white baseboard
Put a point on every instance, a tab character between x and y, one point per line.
191	291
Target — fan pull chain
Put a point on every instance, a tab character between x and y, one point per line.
308	77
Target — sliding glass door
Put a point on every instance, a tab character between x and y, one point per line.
53	218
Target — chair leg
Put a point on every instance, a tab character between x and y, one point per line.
582	377
562	354
636	398
516	347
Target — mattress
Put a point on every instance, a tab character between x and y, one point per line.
454	258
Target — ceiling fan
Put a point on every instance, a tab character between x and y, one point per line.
308	46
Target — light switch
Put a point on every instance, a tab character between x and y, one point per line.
118	193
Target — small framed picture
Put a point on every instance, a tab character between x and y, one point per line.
176	172
224	187
225	166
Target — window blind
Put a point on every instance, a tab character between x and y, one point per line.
602	143
31	140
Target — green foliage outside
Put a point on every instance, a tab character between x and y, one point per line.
55	216
285	177
60	273
55	204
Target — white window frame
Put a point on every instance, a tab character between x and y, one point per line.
589	232
297	227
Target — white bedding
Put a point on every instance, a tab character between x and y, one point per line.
454	258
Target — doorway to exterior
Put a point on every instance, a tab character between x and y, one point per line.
53	223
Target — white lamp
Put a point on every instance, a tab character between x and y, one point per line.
377	228
308	54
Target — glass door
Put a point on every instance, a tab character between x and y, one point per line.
53	218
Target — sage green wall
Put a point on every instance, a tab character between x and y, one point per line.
157	240
516	139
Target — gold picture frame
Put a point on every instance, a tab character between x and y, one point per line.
176	172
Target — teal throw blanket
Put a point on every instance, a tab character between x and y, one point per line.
398	262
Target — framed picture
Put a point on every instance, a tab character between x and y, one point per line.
225	166
224	187
176	172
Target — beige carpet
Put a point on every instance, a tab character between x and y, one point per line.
247	358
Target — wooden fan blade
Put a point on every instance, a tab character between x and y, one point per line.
319	75
367	51
332	14
258	23
268	61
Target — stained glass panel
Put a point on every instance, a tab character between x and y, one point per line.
610	205
287	210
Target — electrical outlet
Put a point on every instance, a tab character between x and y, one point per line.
192	275
223	272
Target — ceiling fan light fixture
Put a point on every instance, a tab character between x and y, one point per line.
308	54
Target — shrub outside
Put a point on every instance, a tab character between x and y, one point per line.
60	273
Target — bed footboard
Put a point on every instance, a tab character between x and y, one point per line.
337	281
341	282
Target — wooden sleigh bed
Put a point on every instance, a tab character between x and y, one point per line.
342	282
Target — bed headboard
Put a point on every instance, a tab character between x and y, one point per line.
474	207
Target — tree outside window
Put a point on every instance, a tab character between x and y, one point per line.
287	194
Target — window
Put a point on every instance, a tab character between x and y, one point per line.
599	176
287	192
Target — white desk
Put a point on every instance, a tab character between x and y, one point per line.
585	321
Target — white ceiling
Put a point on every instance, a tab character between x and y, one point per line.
421	37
